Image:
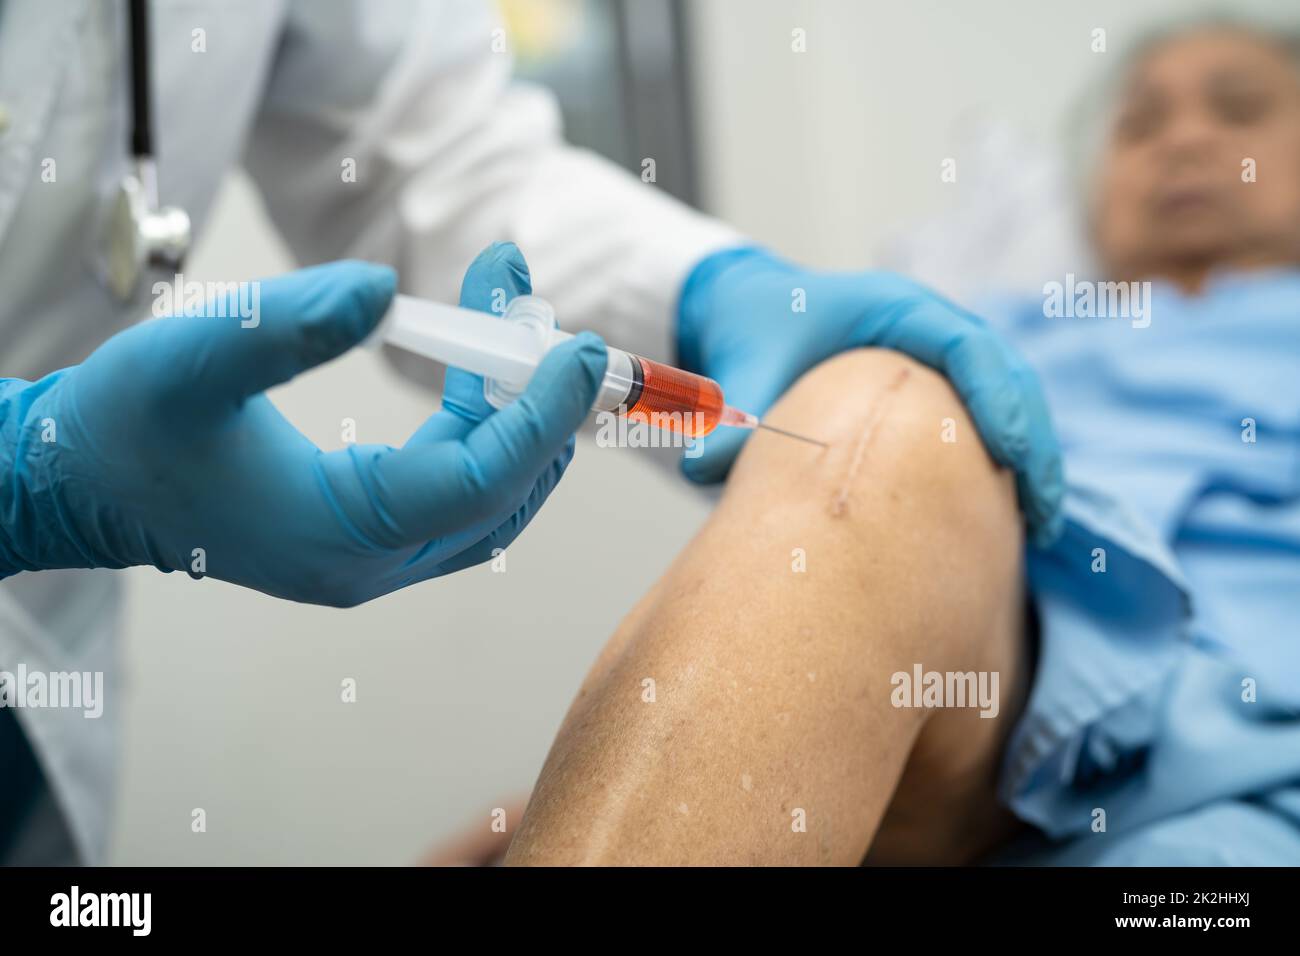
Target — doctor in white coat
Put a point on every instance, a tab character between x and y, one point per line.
390	132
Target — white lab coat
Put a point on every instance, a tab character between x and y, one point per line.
449	155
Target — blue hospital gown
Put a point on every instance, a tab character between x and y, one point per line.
1167	687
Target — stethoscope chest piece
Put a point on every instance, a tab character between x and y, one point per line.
141	234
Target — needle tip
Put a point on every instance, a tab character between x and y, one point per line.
782	431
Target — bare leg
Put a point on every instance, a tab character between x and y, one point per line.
742	712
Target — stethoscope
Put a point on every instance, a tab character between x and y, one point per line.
139	232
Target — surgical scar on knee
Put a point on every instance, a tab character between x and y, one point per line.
840	503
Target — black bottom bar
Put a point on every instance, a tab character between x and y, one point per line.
440	907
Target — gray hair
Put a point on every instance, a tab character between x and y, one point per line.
1090	120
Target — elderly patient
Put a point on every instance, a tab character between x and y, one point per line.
771	699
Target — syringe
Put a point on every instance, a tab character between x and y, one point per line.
506	350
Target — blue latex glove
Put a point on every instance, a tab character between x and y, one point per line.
737	325
164	443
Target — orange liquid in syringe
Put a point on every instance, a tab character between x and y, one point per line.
677	400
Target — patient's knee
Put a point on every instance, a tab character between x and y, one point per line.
898	440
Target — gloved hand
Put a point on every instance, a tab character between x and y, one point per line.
162	443
737	325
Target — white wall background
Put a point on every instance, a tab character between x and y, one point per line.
234	703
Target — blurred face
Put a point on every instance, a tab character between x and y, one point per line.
1171	200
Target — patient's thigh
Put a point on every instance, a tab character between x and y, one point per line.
771	733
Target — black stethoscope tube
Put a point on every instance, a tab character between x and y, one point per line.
141	115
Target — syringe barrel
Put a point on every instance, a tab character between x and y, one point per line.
673	398
506	350
659	394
